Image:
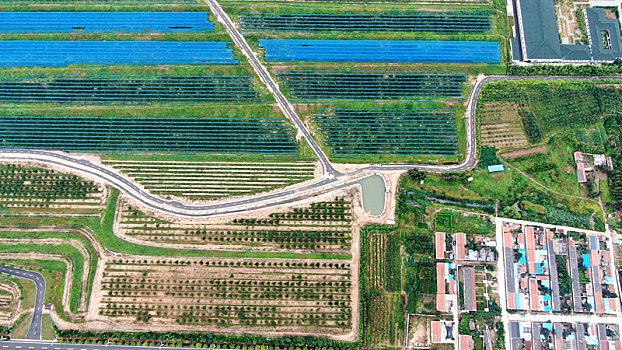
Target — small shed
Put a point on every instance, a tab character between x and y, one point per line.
496	168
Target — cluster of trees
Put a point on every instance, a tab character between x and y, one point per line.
613	125
488	156
606	69
207	340
24	182
291	238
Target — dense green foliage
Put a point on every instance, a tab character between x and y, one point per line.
548	106
488	156
533	131
173	338
565	282
607	69
394	264
613	125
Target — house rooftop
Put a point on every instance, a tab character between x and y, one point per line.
605	37
581	175
539	31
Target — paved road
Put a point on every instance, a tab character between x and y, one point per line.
334	181
266	78
35	326
130	188
48	345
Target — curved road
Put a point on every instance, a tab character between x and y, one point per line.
333	181
34	332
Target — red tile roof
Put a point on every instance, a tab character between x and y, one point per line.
465	342
440	245
460	246
530	237
441	303
436	331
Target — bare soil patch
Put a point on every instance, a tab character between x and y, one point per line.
525	152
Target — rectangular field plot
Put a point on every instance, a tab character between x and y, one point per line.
354	132
396	51
324	227
286	295
104	22
501	126
127	89
20	53
211	180
368	85
416	21
42	190
127	134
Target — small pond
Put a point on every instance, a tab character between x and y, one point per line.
373	194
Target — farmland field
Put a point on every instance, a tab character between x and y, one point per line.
500	126
212	180
286	271
45	191
251	294
324	227
105	134
388	131
127	89
449	21
365	85
544	108
9	298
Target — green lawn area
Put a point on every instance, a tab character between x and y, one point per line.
20	329
556	168
29	292
47	328
604	191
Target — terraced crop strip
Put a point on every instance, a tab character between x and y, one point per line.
127	89
416	21
323	227
313	85
39	190
211	180
391	51
103	134
104	22
9	298
28	53
351	132
293	295
501	126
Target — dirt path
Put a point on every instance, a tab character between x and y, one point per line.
524	152
534	180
